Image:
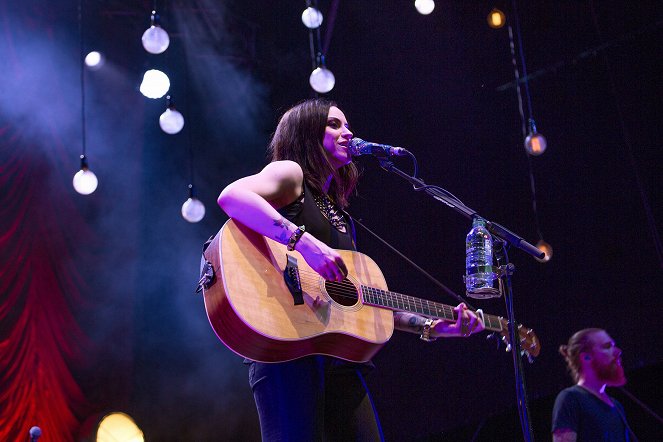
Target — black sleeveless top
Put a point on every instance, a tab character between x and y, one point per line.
305	211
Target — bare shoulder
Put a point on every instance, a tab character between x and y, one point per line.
564	435
283	170
280	182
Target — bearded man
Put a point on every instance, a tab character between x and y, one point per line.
585	412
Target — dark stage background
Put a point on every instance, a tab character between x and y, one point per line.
97	310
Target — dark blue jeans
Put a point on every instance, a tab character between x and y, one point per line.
316	398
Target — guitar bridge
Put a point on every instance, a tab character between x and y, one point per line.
292	281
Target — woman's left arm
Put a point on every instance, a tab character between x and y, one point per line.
467	323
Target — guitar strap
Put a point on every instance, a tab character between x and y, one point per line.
351	221
630	432
207	276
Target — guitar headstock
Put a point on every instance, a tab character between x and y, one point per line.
529	342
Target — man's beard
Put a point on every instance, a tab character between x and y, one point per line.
611	373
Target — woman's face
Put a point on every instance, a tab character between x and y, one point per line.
337	137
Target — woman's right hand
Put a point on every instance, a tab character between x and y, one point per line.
322	258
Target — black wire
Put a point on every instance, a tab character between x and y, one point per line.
82	62
189	133
413	264
521	50
320	53
414	163
311	42
523	123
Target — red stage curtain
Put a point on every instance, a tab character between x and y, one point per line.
40	341
49	366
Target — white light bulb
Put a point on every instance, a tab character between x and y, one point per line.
85	181
171	121
322	80
535	144
424	7
312	18
94	60
193	210
155	84
155	39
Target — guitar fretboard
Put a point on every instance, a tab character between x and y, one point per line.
399	302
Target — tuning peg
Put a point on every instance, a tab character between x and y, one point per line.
530	359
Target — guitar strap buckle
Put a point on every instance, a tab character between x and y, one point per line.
207	276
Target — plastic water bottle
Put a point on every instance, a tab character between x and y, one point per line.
479	253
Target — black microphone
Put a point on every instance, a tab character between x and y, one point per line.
35	433
358	147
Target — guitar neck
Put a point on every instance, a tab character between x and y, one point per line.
399	302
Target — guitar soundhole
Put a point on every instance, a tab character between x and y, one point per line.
344	292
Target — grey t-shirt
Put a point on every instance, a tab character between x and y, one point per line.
592	419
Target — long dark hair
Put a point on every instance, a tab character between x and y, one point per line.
580	342
298	137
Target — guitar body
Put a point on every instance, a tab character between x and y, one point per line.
254	312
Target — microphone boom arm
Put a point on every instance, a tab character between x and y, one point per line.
443	196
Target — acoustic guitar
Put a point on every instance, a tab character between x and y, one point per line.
266	304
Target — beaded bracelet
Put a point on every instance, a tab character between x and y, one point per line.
296	236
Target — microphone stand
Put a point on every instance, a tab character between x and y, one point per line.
504	272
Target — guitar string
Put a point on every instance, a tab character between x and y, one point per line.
346	289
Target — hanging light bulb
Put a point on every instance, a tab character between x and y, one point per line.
312	18
155	39
535	143
85	181
171	121
155	84
424	7
496	18
322	80
546	249
94	60
193	210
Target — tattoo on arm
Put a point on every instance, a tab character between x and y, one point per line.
415	324
409	322
284	234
